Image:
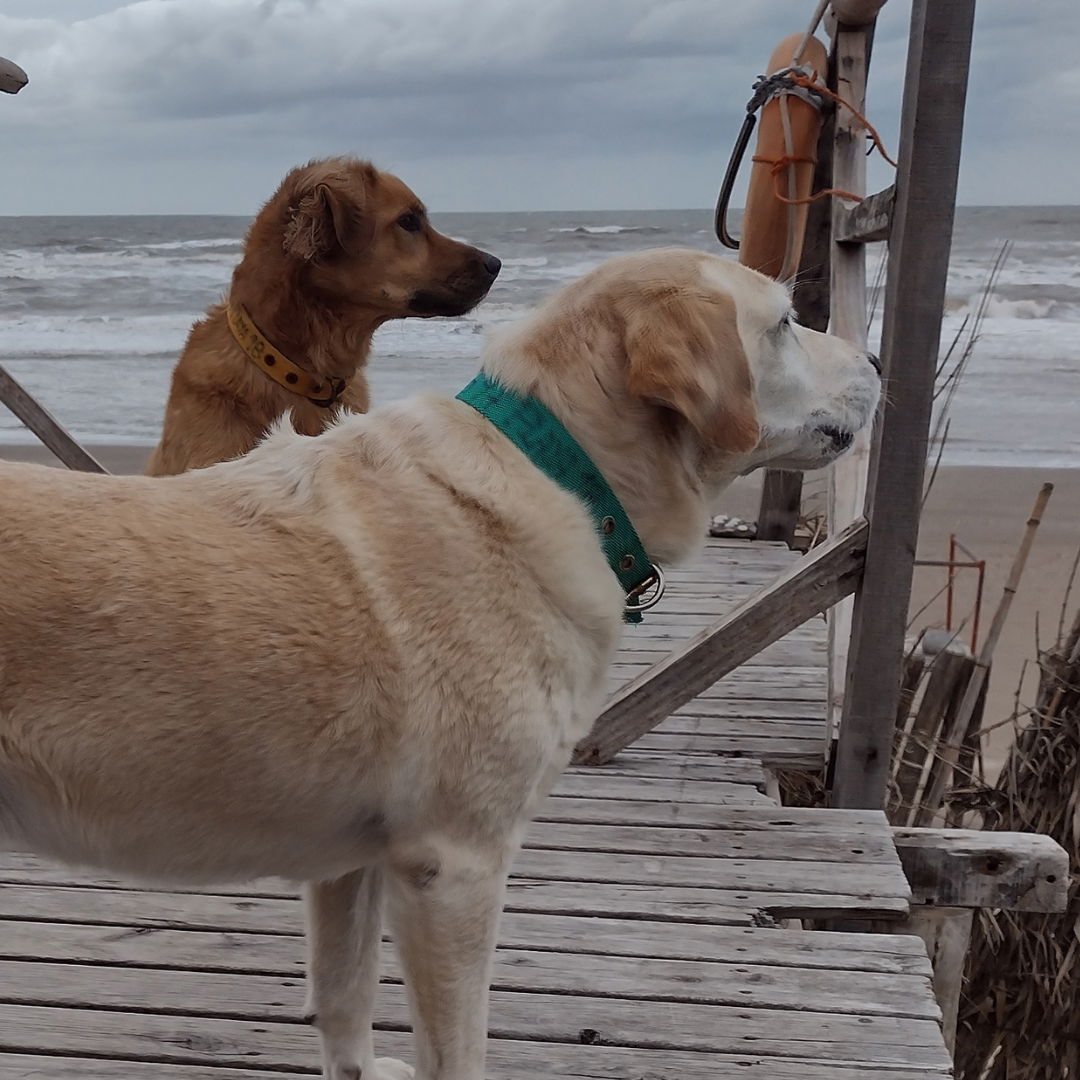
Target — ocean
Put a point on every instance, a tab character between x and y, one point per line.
94	312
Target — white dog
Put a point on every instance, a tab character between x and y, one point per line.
359	660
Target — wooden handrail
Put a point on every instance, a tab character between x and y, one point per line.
45	426
831	572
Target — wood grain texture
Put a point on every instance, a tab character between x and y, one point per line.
847	478
203	1042
589	1064
866	222
976	869
931	128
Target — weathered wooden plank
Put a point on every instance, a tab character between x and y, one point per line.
808	651
250	994
739	905
612	785
847	478
236	917
737	732
823	844
592	1067
806	685
645	763
753	727
711	714
772	750
810	676
931	127
45	426
865	222
984	869
803	652
793	820
645	635
819	580
270	1045
826	876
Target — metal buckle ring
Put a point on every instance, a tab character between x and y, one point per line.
656	582
337	386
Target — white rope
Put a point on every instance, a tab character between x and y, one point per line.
789	268
815	21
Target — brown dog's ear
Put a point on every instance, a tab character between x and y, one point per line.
685	353
329	219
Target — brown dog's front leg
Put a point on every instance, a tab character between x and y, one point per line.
344	942
444	911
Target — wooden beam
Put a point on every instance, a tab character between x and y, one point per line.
931	126
977	868
42	423
847	478
813	584
946	933
868	221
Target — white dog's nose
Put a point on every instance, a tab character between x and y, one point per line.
875	363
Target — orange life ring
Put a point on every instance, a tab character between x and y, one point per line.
774	221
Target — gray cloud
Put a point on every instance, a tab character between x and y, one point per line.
200	105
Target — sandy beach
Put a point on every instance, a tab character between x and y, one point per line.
987	509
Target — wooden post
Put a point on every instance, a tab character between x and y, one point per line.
781	505
847	478
946	932
932	123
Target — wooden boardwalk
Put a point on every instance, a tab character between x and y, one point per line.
645	933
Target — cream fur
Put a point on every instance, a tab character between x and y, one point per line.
359	660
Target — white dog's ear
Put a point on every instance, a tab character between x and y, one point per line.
330	216
685	353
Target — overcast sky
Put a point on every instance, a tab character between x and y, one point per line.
199	106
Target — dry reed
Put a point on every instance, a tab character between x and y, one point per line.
1020	1017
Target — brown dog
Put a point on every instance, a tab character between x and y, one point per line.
337	251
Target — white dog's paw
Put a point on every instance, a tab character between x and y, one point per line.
392	1069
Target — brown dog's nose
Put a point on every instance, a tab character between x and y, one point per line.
491	264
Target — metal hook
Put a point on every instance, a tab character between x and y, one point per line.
724	198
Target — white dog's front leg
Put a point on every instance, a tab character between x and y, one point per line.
444	912
344	942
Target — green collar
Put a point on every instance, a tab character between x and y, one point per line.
532	428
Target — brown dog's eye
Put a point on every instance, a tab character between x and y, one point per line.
410	222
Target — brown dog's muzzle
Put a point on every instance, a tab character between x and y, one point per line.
463	288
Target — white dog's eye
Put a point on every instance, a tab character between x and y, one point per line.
785	321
